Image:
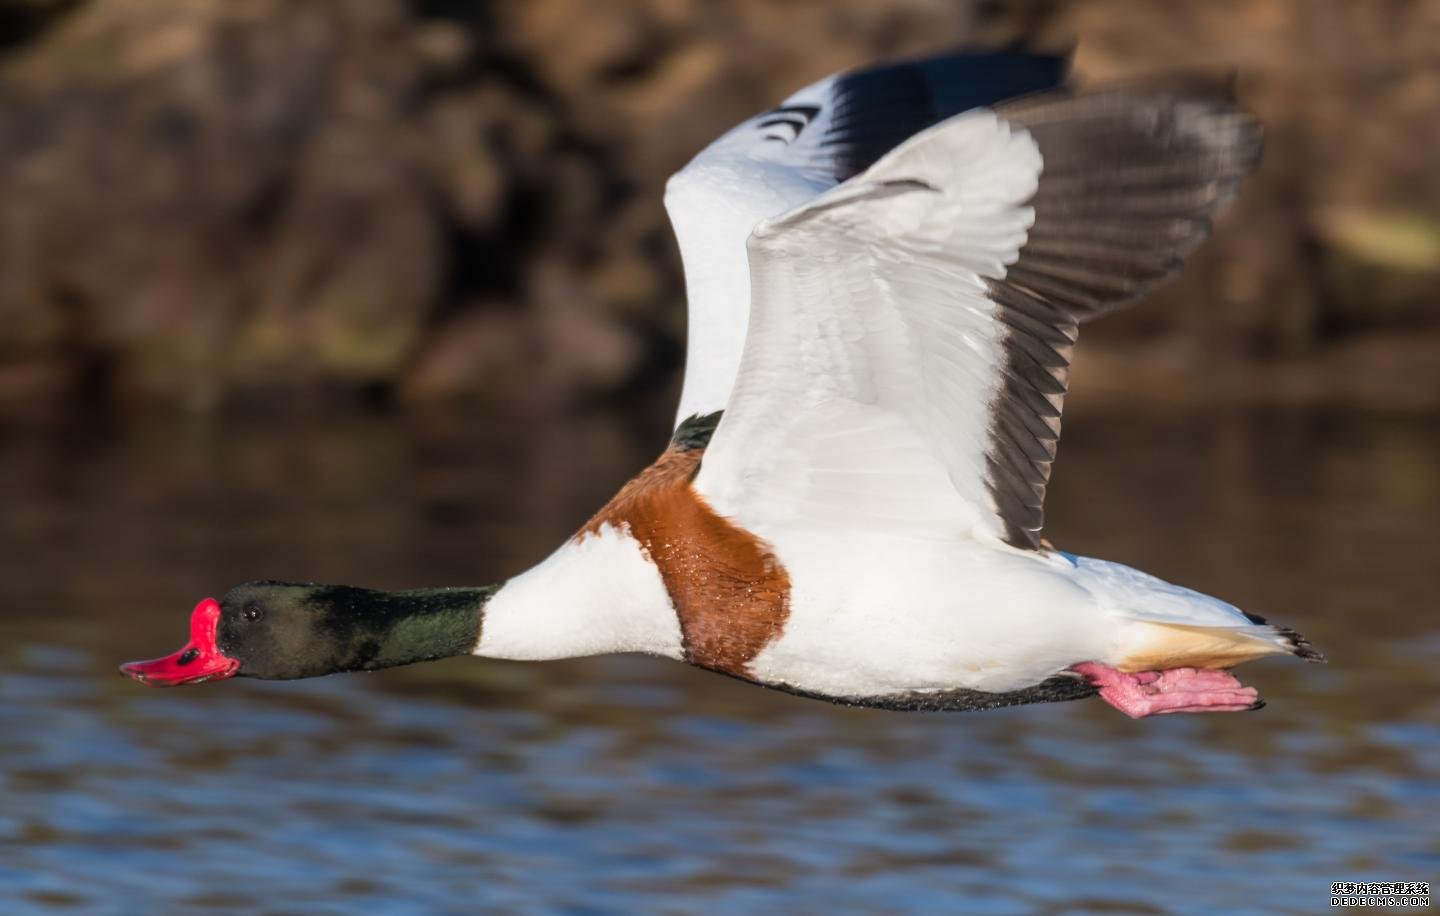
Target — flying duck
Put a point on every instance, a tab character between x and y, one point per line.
886	276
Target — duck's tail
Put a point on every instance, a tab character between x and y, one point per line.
1290	640
1164	626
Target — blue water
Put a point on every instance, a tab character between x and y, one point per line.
629	784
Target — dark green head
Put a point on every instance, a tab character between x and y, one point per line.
284	630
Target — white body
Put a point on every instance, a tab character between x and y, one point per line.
869	616
891	369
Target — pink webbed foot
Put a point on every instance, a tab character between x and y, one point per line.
1152	693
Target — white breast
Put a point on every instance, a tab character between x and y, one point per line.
598	595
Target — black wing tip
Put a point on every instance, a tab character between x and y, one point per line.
1007	71
878	106
1019	51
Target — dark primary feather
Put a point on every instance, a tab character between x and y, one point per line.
877	108
1132	179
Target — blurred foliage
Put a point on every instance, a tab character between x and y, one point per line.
442	200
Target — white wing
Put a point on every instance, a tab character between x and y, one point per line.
778	160
910	329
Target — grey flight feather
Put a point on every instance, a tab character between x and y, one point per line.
1132	180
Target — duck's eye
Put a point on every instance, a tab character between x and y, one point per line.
252	613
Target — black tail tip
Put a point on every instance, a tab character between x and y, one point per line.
1300	646
1258	704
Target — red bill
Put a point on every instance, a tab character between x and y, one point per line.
198	661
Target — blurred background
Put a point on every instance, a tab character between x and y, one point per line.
382	292
444	201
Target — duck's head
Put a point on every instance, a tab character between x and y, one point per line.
257	629
286	630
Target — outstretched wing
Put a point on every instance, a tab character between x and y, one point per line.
911	329
816	139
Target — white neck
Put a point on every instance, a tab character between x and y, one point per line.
594	596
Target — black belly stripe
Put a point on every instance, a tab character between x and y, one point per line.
1059	689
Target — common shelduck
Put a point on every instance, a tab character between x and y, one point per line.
886	274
